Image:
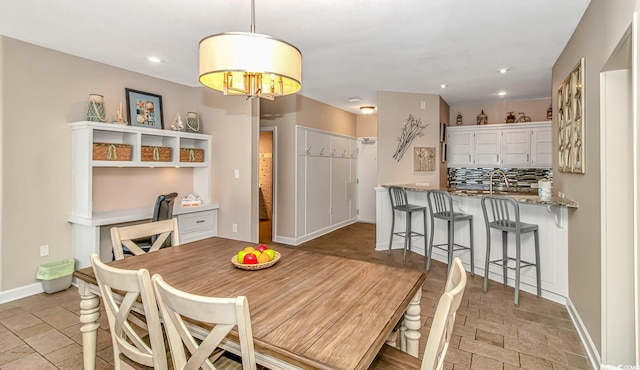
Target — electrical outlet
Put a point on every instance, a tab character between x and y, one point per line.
44	250
236	174
235	228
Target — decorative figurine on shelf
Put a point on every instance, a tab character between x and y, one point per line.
510	118
193	122
459	119
177	123
482	118
95	109
120	114
549	112
523	118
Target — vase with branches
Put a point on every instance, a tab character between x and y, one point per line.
412	128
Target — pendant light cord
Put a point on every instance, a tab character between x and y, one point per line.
253	17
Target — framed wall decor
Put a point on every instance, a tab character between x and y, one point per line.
144	109
424	159
443	154
571	144
443	132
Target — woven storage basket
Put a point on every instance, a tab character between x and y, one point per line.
111	152
155	154
191	155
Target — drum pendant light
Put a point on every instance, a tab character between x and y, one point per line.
250	64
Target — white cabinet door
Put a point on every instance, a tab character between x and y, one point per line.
301	143
318	193
541	151
318	144
487	147
515	147
340	190
352	191
301	196
459	148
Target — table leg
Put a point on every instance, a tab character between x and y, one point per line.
89	315
412	325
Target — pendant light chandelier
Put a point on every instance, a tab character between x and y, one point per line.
250	64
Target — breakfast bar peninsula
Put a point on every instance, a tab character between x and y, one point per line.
550	215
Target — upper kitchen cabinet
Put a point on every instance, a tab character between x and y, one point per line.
521	145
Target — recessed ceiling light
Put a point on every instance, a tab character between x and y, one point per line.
502	93
443	86
355	99
503	70
154	60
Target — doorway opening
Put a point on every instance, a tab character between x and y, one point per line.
266	184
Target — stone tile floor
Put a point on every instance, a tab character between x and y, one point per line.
43	331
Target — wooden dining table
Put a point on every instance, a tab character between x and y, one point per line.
309	310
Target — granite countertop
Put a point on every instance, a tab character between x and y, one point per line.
522	196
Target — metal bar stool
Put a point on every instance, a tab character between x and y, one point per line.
399	202
441	206
503	213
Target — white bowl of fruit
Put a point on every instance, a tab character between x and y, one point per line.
258	258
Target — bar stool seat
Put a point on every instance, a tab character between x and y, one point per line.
503	213
441	206
398	196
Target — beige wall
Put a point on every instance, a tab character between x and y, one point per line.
595	38
393	110
321	116
496	111
367	125
49	89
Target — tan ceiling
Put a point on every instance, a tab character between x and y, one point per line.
350	48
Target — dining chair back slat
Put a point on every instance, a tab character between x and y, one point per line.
120	291
222	313
127	235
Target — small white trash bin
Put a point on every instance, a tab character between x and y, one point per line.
56	276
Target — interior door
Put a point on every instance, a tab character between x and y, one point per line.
340	189
367	170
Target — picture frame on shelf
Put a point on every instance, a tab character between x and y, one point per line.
144	109
443	132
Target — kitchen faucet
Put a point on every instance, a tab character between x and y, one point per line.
506	182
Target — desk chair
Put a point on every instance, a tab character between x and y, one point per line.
126	237
398	196
441	206
127	327
223	313
391	358
503	213
162	210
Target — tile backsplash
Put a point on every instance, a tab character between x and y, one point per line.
523	179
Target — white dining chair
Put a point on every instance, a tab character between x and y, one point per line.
441	328
137	336
222	313
126	237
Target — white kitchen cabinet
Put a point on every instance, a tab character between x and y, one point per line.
325	183
515	147
541	148
521	145
460	148
487	148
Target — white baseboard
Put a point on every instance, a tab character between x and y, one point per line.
324	231
20	292
284	240
592	352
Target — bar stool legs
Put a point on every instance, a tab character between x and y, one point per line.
398	198
441	206
505	216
